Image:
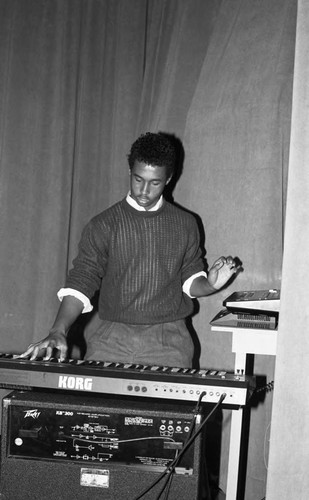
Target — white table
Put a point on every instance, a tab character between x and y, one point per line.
244	341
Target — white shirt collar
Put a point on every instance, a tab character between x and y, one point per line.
135	205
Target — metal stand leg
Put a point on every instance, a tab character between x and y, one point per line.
235	437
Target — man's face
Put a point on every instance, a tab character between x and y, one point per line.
147	183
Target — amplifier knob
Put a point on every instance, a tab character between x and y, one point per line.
130	388
144	389
137	388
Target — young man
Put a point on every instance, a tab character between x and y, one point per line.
144	256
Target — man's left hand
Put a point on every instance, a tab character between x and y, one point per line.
221	271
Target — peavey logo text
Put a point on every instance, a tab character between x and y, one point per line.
32	413
138	421
76	383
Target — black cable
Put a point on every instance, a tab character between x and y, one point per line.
199	430
171	468
267	388
168	482
196	410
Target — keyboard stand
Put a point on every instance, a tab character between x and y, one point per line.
244	341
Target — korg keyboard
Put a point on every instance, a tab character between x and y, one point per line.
126	379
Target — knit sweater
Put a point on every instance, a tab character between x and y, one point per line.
139	261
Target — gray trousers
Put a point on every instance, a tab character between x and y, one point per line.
164	344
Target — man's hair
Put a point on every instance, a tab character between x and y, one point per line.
153	149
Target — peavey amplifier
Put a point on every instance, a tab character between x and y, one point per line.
69	447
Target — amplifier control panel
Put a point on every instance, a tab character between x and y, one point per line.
141	437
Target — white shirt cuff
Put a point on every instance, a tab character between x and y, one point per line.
63	292
187	284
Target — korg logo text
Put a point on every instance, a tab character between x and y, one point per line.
76	383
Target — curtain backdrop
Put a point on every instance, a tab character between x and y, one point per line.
289	438
79	81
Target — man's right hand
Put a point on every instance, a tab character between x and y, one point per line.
69	310
55	340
